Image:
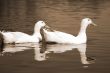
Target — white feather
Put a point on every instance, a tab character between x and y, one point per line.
20	37
61	37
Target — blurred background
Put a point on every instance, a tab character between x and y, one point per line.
21	15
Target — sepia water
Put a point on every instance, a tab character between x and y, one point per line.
62	15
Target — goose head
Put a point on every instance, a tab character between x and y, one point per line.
87	21
38	26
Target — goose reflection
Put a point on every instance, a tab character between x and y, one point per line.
9	48
41	51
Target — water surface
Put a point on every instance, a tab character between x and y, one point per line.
21	15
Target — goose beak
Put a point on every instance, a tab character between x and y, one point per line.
48	28
94	24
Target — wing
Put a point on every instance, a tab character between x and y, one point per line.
59	37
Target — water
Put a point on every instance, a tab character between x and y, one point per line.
21	15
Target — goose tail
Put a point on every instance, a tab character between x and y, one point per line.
1	41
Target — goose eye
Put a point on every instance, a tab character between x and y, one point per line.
89	19
42	22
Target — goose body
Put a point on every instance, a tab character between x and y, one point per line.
62	37
20	37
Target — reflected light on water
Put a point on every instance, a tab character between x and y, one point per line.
42	56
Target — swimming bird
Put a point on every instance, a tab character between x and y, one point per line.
62	37
20	37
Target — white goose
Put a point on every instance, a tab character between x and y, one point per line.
61	37
20	37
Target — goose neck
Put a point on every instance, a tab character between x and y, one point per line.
83	28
